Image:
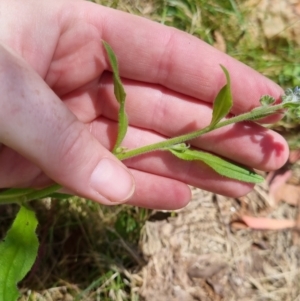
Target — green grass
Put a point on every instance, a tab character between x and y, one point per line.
86	246
91	249
276	58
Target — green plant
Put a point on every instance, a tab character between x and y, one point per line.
18	249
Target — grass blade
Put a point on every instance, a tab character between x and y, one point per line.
120	96
18	251
223	101
221	166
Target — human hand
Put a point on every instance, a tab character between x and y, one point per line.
60	99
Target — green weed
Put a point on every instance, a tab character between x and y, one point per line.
89	248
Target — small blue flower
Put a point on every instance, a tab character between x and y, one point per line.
291	95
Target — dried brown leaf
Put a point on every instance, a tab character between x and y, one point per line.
264	223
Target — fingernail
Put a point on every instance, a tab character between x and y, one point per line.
112	181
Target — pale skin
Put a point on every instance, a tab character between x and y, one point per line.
58	117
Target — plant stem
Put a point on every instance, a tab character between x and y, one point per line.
256	113
38	194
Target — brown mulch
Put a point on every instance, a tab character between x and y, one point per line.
206	252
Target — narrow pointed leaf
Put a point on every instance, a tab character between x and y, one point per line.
14	193
223	101
221	166
18	251
19	195
290	105
120	96
42	193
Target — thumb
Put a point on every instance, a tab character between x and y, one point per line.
35	123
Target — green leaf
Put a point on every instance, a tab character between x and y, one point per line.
266	100
18	251
120	96
223	101
21	195
290	105
42	193
12	194
221	166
